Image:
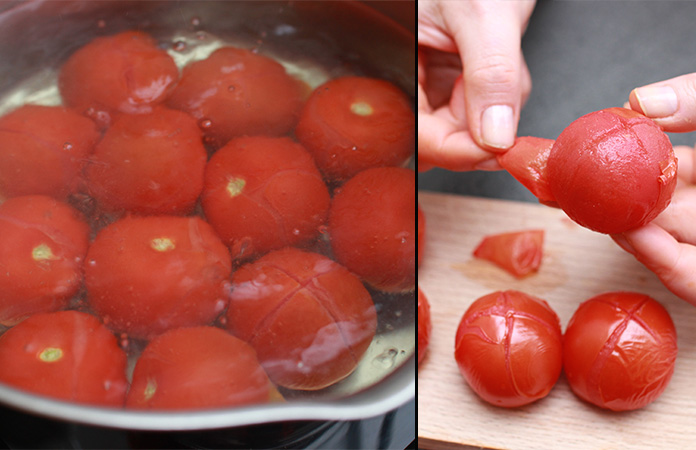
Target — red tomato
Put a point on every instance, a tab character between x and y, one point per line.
145	275
263	194
235	92
200	367
421	234
149	164
43	150
425	326
68	355
309	319
43	243
125	73
527	161
509	348
619	350
373	229
351	124
519	253
612	170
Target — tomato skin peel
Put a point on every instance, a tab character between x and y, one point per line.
425	325
519	253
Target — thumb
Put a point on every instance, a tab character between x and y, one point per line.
671	103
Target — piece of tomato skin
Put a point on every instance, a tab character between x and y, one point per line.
519	253
425	325
526	161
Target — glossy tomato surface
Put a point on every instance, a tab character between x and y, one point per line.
43	243
354	123
146	275
373	229
619	350
527	161
425	325
43	151
509	348
519	252
125	72
68	355
309	319
421	234
263	194
199	367
612	170
235	92
149	163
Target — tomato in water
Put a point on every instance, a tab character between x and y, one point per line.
43	243
519	252
145	275
351	124
43	151
373	229
264	193
309	319
619	350
425	325
67	355
122	73
235	92
149	164
198	367
509	348
421	234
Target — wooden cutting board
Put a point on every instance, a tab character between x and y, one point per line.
577	265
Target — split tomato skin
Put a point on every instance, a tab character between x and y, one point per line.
619	350
351	124
373	230
196	368
309	319
44	149
519	252
612	170
66	355
149	164
508	348
146	275
43	243
425	325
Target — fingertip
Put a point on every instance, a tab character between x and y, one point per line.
498	127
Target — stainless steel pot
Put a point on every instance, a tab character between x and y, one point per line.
315	40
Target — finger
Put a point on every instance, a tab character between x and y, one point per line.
525	82
686	171
671	103
680	215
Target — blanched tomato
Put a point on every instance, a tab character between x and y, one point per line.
125	73
424	325
352	123
509	348
421	234
235	92
146	275
263	194
43	243
527	161
619	350
68	355
43	151
519	252
309	319
612	170
373	229
149	164
199	367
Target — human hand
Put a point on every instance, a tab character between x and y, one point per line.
472	80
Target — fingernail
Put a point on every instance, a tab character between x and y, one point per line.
657	101
623	243
497	127
489	164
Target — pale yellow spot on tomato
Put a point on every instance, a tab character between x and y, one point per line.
51	354
361	108
42	252
163	244
235	186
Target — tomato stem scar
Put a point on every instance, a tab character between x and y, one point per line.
150	389
162	244
235	186
51	354
361	108
42	252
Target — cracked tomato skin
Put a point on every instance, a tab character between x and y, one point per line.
519	253
425	325
309	319
43	151
263	194
508	348
67	355
619	350
43	243
196	368
612	170
149	164
122	73
351	124
372	223
146	275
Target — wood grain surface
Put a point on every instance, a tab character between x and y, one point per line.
577	265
